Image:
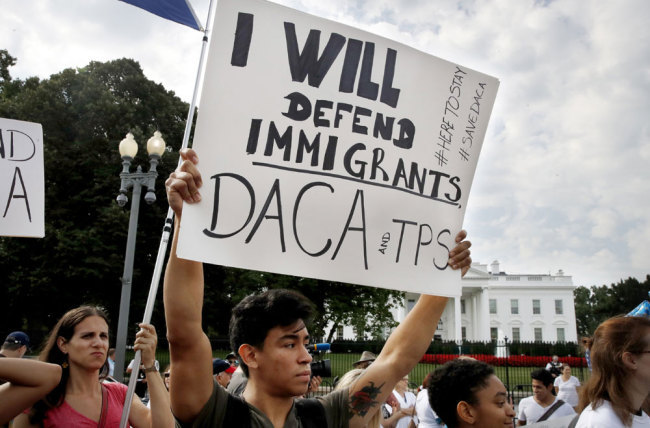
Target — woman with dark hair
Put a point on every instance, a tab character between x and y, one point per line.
566	387
79	344
616	393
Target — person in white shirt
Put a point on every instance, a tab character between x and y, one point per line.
566	387
406	400
543	405
554	366
616	394
111	362
426	415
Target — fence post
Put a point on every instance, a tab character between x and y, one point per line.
507	365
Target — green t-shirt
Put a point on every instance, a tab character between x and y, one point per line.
335	405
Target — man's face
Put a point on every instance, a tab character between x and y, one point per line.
540	391
363	364
223	379
493	409
283	364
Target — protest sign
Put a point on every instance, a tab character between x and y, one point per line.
22	201
332	153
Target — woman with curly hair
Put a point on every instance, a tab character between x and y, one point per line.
616	394
79	344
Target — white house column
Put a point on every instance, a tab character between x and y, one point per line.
485	314
475	321
457	324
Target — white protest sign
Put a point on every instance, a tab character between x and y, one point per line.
332	153
22	196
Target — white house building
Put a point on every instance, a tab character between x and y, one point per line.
495	305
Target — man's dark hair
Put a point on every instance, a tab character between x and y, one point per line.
543	376
456	381
256	314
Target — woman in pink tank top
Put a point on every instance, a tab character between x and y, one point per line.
79	343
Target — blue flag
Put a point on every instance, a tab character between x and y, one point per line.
175	10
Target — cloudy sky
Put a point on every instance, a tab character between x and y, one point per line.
563	181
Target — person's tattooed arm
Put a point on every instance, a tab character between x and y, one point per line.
364	400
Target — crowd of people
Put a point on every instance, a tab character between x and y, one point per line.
264	381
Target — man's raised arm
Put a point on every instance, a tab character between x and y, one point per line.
190	353
404	348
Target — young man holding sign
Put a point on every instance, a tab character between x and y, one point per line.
269	334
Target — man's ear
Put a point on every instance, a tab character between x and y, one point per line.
248	354
629	360
466	412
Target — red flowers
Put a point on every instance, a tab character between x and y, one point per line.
513	360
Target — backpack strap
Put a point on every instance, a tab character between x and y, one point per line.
311	413
550	411
574	421
237	413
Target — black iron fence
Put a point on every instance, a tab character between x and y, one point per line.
512	361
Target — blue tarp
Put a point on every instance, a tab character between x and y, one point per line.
175	10
643	310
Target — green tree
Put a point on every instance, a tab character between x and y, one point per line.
85	113
596	304
6	61
584	315
367	308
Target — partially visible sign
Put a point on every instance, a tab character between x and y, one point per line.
332	153
22	179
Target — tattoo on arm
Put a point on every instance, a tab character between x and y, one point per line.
362	401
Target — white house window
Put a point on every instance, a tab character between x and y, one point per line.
514	306
339	332
494	333
463	332
558	307
410	303
560	334
538	334
493	306
359	333
462	306
516	335
537	307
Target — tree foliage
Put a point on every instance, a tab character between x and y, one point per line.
596	304
85	113
366	308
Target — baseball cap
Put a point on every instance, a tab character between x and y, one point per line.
219	365
18	337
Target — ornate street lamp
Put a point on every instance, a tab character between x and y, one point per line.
128	150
